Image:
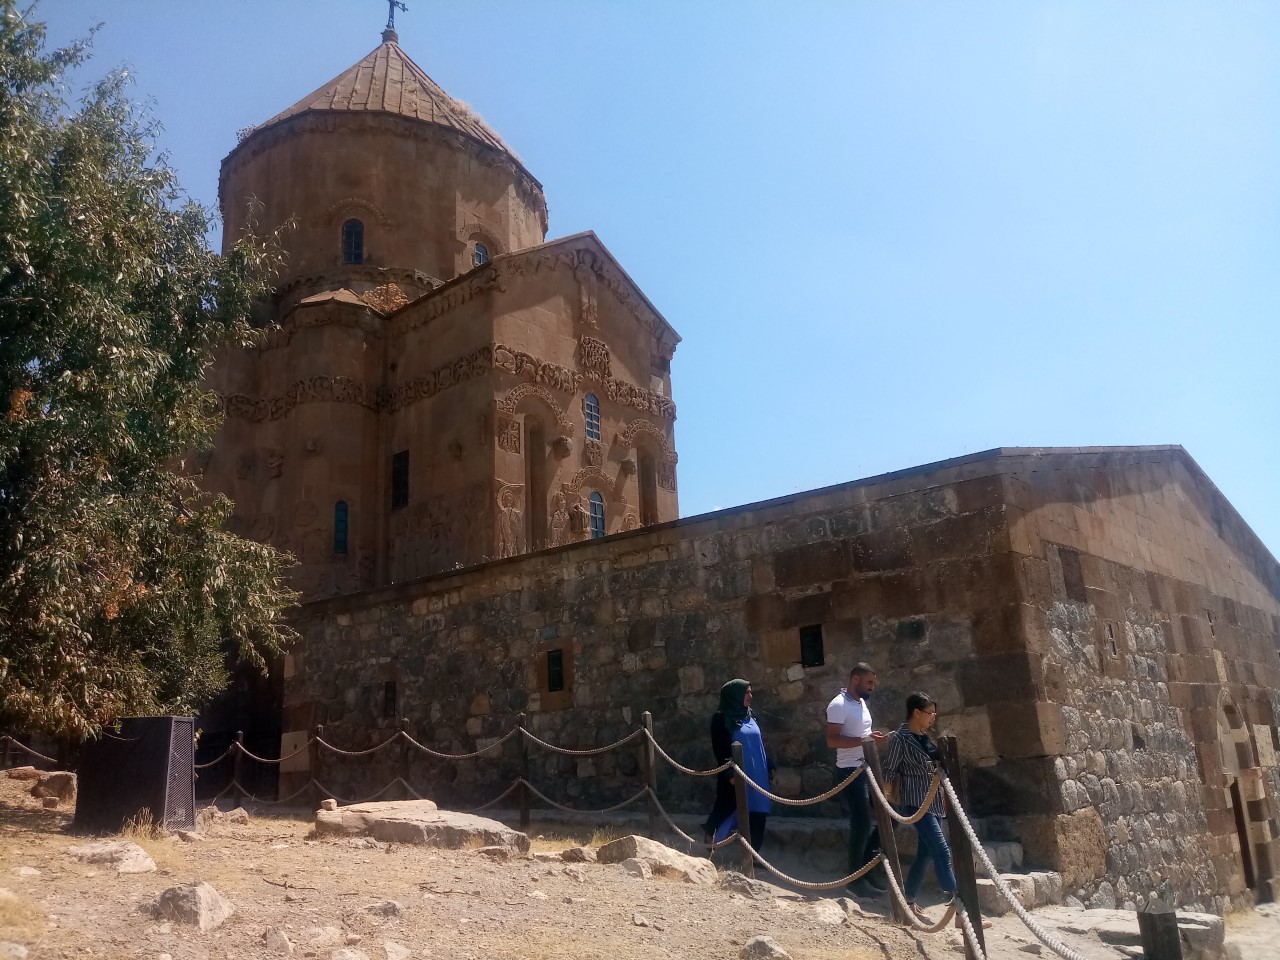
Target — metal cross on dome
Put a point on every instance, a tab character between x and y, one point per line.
392	7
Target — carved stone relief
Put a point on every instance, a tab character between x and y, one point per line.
562	447
305	513
263	525
595	476
667	476
244	466
509	403
508	434
593	357
275	463
537	370
630	522
559	520
510	520
592	453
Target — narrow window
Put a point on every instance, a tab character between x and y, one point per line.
1111	641
353	242
597	516
811	652
389	699
648	490
400	480
1209	614
593	417
340	527
480	255
535	452
555	671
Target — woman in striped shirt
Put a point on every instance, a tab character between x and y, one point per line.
911	762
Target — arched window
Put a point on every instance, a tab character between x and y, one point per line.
597	515
593	417
480	255
353	242
340	527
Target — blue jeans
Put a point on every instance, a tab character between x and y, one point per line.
932	846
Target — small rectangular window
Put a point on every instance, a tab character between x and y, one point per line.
400	480
389	699
555	671
811	652
1111	641
1209	614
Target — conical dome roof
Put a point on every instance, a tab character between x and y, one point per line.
388	81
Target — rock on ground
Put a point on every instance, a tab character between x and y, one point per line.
197	904
277	941
12	951
60	785
24	773
579	855
396	951
419	821
122	856
763	948
660	858
739	883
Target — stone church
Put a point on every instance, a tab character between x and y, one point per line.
464	432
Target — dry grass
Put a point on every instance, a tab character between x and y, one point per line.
19	920
603	835
155	840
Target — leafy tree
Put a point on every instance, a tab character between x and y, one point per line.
120	592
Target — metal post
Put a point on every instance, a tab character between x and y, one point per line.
524	774
961	849
748	867
888	842
1158	927
649	768
317	733
403	734
237	770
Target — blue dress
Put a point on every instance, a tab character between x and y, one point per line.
756	764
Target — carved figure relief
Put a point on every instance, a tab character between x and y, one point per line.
562	447
537	370
597	477
634	428
667	476
508	434
510	520
387	298
588	307
592	453
275	463
312	445
305	513
579	521
244	466
509	403
630	522
593	357
263	525
559	520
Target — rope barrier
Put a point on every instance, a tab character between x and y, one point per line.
254	756
34	753
787	801
966	927
462	756
502	796
583	753
271	803
358	753
1041	934
934	786
681	767
667	817
222	756
910	913
560	806
805	884
372	796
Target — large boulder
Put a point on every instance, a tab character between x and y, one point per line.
60	785
196	904
122	856
24	773
660	858
418	821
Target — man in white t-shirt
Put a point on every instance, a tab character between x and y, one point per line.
848	726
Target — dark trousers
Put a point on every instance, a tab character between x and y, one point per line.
932	847
726	803
861	848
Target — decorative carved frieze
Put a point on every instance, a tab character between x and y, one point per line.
512	400
592	453
593	476
535	369
636	427
510	532
474	364
593	357
312	390
667	476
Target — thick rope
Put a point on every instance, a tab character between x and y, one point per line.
357	753
1043	935
502	796
934	786
966	927
560	806
667	817
787	801
461	756
372	796
254	756
28	750
583	753
804	884
271	803
681	767
910	914
225	753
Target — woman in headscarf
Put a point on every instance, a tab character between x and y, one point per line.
734	722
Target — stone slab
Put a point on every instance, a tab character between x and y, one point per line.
418	822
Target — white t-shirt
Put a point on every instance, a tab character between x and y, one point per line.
854	717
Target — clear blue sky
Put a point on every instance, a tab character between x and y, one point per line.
889	233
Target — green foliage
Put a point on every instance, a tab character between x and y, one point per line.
120	592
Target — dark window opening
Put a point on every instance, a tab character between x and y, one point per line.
596	502
353	242
593	417
648	490
480	255
389	699
535	453
340	527
400	480
1111	641
811	650
1209	614
555	671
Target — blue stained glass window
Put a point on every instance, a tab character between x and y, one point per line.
597	515
481	255
593	417
340	527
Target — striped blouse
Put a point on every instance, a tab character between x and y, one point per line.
912	764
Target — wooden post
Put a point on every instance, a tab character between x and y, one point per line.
649	768
524	774
403	766
317	732
4	757
237	770
961	849
888	842
744	814
1158	927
